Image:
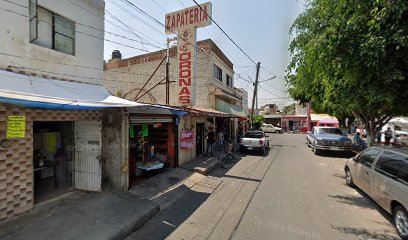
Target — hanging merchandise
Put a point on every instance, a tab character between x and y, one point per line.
145	130
131	132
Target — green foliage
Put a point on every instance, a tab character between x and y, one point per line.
257	122
289	108
350	57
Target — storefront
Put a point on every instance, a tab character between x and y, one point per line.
294	123
152	144
50	139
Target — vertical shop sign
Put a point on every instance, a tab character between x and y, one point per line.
184	23
16	126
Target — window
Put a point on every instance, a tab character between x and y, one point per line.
229	80
367	158
403	171
217	72
389	163
254	135
329	131
50	30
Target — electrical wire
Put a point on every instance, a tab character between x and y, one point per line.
226	34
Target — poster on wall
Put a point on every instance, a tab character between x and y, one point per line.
16	126
187	140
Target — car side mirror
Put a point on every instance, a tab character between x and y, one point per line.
355	159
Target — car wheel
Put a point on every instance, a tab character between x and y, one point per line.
241	149
263	150
349	179
400	217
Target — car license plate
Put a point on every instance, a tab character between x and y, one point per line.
334	148
249	148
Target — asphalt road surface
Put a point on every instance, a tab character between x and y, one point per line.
287	194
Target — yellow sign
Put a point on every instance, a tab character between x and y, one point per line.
51	142
16	126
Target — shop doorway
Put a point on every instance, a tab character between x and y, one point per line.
53	154
199	139
151	148
290	125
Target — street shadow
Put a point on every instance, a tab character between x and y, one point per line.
333	154
339	176
166	222
364	233
360	200
364	201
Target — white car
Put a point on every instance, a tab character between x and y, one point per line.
271	128
254	140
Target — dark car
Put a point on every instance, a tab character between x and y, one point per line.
328	139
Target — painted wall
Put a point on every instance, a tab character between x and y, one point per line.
30	57
16	161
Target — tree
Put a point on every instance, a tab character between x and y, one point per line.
257	122
349	58
289	108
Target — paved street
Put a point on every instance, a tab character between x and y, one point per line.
289	194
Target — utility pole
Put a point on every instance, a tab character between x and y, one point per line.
255	91
168	69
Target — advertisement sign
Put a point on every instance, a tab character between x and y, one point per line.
184	23
187	140
16	126
192	17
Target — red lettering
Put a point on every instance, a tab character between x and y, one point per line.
205	17
178	19
173	22
187	14
185	82
185	73
184	99
191	15
168	22
184	65
184	91
186	56
196	15
182	20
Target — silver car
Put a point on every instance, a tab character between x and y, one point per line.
382	173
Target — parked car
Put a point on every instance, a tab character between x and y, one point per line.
271	128
328	139
254	140
382	173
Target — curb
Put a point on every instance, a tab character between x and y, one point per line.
206	170
135	224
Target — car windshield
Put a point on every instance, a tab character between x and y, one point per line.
329	131
254	135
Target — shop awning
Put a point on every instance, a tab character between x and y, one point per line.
233	110
207	112
37	92
318	117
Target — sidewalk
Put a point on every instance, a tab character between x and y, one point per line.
111	215
81	215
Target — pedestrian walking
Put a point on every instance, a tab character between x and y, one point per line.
220	139
378	136
388	136
211	141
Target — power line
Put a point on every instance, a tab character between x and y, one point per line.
226	34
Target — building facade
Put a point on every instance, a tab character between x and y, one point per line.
213	91
49	144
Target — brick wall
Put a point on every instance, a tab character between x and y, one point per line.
16	162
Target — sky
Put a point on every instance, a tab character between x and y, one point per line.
259	27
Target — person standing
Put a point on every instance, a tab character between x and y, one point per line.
211	141
388	136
